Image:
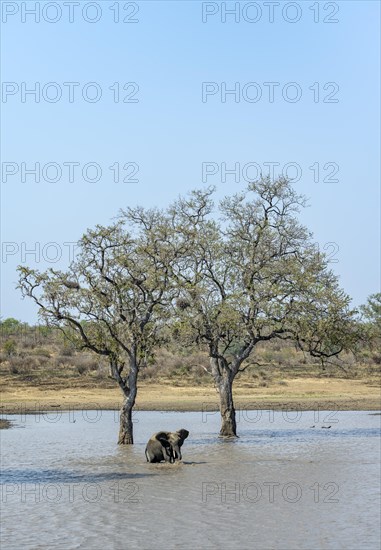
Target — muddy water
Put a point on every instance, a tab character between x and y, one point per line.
282	485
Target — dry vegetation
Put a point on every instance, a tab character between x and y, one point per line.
36	362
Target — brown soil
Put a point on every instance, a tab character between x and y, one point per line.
291	393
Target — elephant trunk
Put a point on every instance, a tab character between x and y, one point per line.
172	456
177	452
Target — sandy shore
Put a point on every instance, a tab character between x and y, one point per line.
297	393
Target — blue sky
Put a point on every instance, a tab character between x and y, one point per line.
170	132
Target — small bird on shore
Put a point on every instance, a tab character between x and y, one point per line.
327	427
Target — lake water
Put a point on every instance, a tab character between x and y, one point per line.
282	485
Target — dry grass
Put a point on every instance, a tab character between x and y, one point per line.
300	393
41	369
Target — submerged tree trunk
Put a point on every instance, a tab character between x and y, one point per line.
128	386
223	377
227	410
126	433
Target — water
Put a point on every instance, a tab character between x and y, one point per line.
281	485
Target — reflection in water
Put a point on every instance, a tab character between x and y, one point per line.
283	484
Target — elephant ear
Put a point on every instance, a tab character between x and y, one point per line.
183	434
162	437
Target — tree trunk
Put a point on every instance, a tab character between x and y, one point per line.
126	436
129	389
227	410
223	377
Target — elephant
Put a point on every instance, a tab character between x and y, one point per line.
165	446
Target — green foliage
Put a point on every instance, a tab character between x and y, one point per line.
11	327
223	278
9	324
255	275
10	347
371	329
371	312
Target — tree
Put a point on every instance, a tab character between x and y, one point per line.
371	312
113	298
370	327
253	276
10	346
10	324
250	276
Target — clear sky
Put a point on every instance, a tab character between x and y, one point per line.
306	81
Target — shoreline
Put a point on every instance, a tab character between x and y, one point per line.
297	394
370	407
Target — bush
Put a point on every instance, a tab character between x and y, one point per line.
81	369
67	351
10	347
17	365
41	360
14	368
60	361
101	371
42	351
83	363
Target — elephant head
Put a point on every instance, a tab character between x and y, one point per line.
166	446
176	439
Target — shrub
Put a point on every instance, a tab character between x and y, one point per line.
84	362
67	351
42	351
81	369
41	360
61	360
17	365
10	347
